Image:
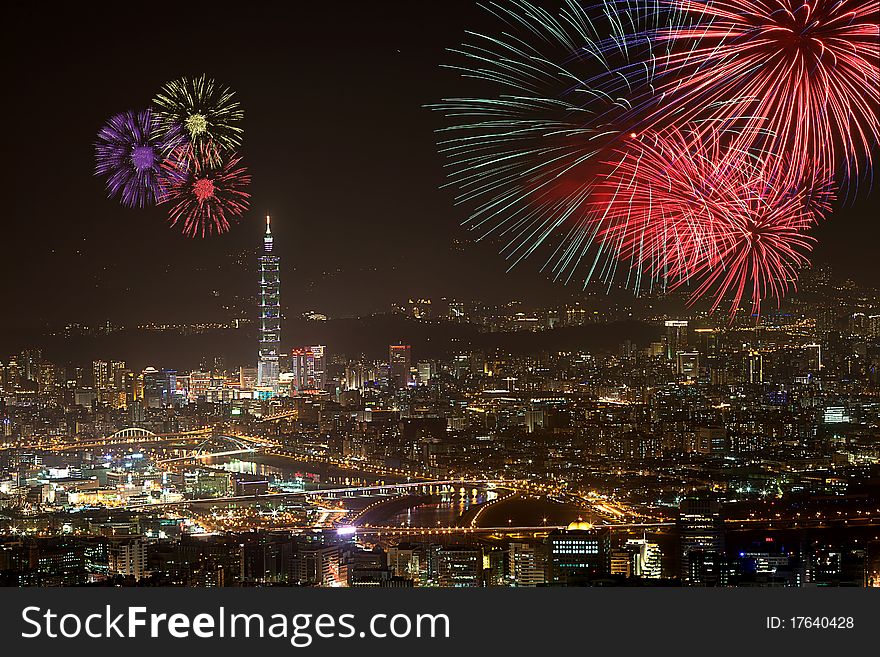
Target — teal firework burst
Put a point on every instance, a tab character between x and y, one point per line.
563	90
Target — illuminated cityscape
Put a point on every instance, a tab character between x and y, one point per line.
679	451
347	322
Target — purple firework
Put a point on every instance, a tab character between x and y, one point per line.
129	151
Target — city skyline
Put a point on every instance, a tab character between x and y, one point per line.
348	388
435	326
375	233
565	468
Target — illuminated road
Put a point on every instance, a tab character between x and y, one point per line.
208	455
540	529
352	491
802	523
146	440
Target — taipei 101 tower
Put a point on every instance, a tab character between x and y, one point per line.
270	314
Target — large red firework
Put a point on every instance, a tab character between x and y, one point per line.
211	191
687	208
793	76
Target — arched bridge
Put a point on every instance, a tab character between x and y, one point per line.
228	446
130	435
131	432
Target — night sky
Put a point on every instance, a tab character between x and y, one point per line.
341	149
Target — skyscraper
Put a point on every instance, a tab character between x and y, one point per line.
307	367
459	566
526	564
399	363
676	337
101	375
270	314
687	364
579	553
159	387
700	530
754	367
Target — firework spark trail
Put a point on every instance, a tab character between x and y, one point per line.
570	87
692	211
130	150
793	76
209	190
206	112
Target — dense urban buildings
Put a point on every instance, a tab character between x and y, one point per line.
509	447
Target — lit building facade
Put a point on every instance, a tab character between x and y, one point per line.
270	313
460	566
700	529
101	375
307	366
159	387
676	337
127	556
399	364
579	553
526	564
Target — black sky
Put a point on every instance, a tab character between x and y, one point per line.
341	150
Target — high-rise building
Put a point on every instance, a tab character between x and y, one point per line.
711	440
701	534
316	564
872	564
858	324
828	319
687	364
635	445
48	382
646	558
535	419
754	366
133	384
199	382
579	553
707	341
127	556
355	376
526	564
247	377
30	363
409	561
459	566
676	337
307	366
318	353
117	374
399	364
425	370
101	375
270	313
159	387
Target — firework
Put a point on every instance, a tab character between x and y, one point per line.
206	112
209	190
568	88
690	210
792	76
129	151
